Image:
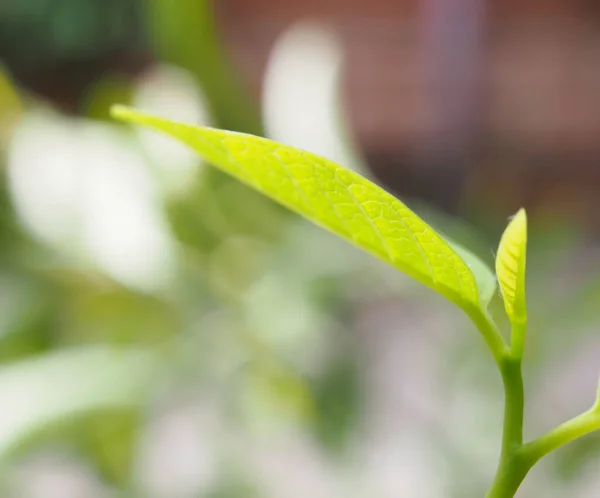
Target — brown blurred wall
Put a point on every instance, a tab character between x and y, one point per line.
537	127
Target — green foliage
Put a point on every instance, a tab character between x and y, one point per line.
510	267
337	404
335	198
39	32
43	393
356	209
184	33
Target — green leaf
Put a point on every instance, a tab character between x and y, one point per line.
333	197
484	276
43	392
510	267
466	242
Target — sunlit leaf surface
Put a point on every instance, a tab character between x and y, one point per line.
510	266
333	197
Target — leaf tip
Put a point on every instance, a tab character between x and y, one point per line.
121	112
517	227
520	219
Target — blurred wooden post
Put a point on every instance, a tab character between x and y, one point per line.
452	51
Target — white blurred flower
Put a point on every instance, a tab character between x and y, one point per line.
80	187
42	175
301	102
173	94
54	475
177	457
290	465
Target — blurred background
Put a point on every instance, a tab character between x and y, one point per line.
166	332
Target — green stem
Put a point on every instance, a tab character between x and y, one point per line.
517	337
491	334
511	472
512	435
516	458
513	467
565	433
515	464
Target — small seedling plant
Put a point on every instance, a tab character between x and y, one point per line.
359	211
